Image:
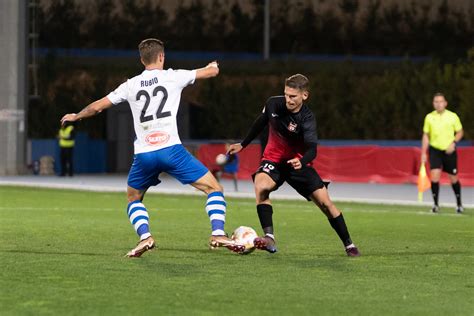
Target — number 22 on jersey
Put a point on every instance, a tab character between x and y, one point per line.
159	113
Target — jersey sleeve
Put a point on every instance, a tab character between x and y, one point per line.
185	78
257	127
267	107
119	95
426	125
457	123
309	130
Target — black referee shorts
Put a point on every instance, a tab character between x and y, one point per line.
439	159
305	180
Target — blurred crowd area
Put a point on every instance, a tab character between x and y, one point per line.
438	28
371	98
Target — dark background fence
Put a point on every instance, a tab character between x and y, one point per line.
373	65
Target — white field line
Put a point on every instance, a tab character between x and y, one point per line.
277	196
303	209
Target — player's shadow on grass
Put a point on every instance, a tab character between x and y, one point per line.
203	250
331	259
414	253
57	253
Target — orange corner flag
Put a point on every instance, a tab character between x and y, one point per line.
424	182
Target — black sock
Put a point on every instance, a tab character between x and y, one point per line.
265	213
435	192
339	225
457	191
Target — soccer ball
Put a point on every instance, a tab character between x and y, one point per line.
245	236
221	159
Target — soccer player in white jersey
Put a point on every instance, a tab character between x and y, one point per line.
154	97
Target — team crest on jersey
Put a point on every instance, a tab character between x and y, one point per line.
157	138
292	126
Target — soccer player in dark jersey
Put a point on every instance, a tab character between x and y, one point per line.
291	148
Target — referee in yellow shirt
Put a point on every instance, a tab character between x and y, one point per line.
442	130
66	144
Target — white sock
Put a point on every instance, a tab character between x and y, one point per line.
218	232
270	235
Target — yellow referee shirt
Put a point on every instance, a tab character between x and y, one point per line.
65	140
441	128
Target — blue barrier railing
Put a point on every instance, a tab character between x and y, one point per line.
90	155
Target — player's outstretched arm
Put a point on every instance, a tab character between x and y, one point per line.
257	128
234	148
92	109
211	70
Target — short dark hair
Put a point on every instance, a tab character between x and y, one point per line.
439	94
149	49
297	81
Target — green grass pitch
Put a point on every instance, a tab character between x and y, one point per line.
61	253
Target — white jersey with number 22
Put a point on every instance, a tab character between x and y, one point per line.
154	98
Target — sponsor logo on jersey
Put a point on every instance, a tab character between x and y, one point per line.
274	115
292	126
157	138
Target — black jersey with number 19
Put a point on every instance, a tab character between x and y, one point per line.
289	133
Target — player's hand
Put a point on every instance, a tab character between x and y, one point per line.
423	158
451	148
234	148
71	117
295	163
213	64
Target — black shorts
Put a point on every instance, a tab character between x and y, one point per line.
439	159
305	180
